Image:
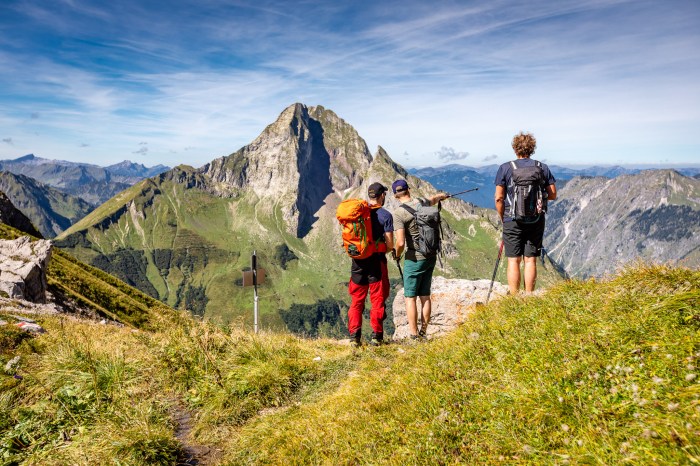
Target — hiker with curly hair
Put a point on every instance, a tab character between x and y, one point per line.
523	188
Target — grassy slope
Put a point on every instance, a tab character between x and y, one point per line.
92	288
590	372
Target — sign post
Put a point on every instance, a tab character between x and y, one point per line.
254	277
254	268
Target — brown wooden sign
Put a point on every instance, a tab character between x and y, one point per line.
248	277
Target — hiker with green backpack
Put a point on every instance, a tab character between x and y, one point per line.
417	232
523	188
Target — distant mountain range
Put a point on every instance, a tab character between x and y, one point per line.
185	235
604	217
49	209
455	177
92	183
598	224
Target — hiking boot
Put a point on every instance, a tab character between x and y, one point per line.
422	334
356	339
376	342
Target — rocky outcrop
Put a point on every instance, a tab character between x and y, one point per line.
23	265
452	301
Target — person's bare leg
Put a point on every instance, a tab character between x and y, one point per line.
530	274
426	311
412	315
514	274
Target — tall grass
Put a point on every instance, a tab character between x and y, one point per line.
590	372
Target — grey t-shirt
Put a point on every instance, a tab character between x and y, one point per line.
403	219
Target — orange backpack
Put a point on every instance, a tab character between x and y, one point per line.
354	216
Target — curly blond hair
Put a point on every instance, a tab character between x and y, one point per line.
524	144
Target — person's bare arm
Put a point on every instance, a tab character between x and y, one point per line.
389	239
500	198
437	198
551	192
400	241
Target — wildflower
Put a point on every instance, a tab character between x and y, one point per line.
673	406
657	380
690	377
564	427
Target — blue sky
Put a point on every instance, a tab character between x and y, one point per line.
179	81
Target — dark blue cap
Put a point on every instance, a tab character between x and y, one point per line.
399	186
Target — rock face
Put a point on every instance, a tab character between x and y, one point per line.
23	265
452	301
597	225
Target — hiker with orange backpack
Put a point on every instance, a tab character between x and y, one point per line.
367	236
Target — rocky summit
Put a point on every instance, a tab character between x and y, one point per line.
184	236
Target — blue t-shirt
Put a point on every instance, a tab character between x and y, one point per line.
385	222
504	177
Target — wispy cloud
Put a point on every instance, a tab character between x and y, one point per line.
448	154
409	76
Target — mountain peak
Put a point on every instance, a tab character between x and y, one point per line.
25	158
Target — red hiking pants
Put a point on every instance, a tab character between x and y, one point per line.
358	293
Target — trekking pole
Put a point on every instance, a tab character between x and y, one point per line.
461	192
398	264
495	270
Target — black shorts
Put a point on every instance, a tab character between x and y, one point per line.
523	239
366	271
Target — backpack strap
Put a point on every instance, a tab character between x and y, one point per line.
410	210
512	164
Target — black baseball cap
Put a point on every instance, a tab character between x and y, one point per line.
375	190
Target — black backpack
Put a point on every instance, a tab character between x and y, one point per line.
528	202
427	219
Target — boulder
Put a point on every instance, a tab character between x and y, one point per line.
23	265
452	301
